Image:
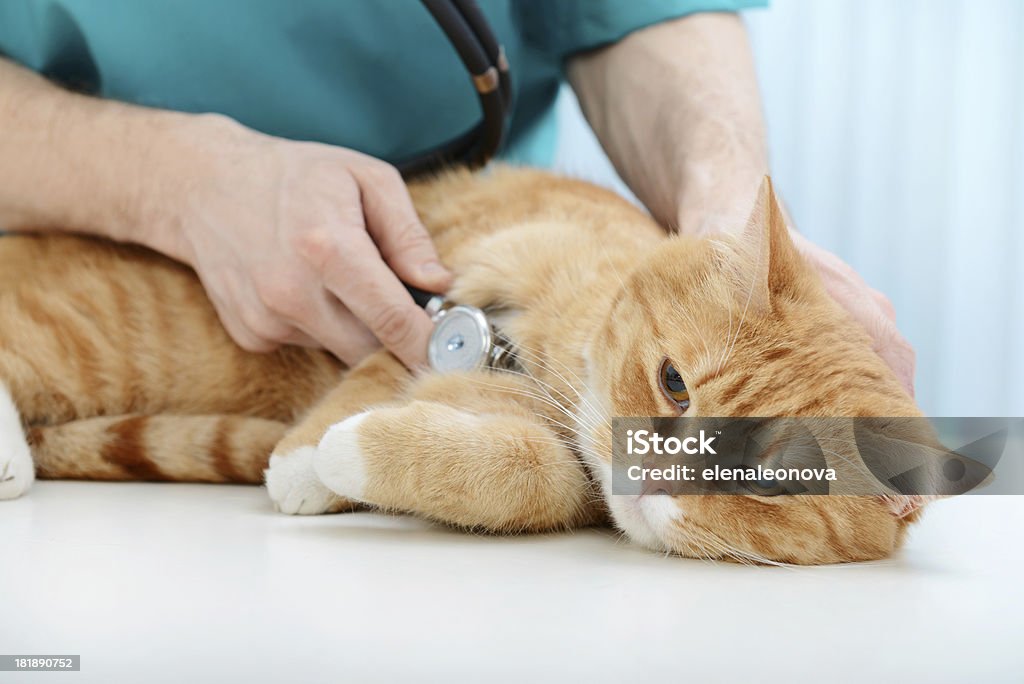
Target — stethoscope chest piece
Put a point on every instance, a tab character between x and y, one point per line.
461	341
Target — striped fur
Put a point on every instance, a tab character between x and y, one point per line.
163	447
120	370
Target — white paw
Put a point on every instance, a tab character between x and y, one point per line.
293	485
338	460
17	472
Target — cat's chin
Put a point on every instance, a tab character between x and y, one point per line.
645	519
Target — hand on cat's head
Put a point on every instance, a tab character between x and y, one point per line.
744	326
867	306
741	305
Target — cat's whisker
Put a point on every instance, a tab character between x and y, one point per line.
577	433
705	546
728	336
573	431
536	355
739	327
611	264
546	366
579	417
548	401
545	358
692	528
545	398
761	253
586	414
556	405
523	349
584	411
697	330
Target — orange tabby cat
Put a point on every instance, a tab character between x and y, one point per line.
120	370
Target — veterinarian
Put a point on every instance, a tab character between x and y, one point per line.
248	139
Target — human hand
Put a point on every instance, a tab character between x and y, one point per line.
868	306
297	242
714	209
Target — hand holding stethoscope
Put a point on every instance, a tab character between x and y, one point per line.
463	339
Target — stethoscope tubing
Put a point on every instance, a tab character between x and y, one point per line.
484	58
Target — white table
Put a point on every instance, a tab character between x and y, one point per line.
173	583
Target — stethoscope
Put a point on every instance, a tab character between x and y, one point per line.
484	59
463	339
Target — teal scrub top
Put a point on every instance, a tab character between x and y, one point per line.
377	76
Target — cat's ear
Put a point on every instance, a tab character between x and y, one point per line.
773	265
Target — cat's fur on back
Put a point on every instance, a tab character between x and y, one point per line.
119	369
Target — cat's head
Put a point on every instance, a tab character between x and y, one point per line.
742	326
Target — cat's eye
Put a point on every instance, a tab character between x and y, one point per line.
673	386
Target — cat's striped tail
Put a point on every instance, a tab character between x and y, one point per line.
165	447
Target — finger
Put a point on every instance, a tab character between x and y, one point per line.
261	330
336	329
245	338
392	222
315	317
229	311
886	339
877	321
371	291
873	312
243	335
298	338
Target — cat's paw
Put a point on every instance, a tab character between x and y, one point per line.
339	462
294	487
17	472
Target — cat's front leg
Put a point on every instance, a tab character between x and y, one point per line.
295	489
502	473
292	483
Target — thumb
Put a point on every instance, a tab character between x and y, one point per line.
403	241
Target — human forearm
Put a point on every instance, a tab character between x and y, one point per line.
76	163
295	242
677	108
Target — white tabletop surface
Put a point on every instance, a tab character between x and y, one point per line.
174	583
